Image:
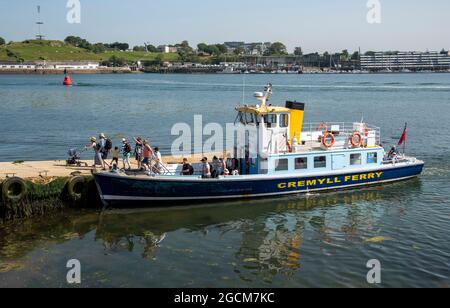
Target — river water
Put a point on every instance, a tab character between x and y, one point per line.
301	241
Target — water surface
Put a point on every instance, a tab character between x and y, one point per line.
298	241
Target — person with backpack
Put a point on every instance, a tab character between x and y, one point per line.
105	146
126	154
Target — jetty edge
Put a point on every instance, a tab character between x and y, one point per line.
36	188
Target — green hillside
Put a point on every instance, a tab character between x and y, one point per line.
59	51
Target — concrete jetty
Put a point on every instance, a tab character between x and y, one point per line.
34	188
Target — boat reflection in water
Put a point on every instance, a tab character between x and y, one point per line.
258	239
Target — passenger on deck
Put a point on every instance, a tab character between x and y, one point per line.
216	167
148	153
158	160
187	168
393	154
223	167
206	168
138	150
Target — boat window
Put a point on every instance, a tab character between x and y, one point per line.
320	162
355	159
301	163
284	120
270	120
249	119
372	158
281	164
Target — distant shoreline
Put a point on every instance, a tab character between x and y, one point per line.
105	71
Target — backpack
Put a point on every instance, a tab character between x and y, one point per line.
108	145
127	148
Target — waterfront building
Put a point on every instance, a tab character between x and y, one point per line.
6	65
402	61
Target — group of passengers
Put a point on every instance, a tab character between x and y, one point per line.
219	167
150	160
147	158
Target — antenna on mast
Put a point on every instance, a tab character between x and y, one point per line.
39	36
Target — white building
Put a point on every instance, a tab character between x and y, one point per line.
168	49
17	66
414	61
70	65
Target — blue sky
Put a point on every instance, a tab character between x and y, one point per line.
315	25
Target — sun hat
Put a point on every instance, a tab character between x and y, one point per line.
93	139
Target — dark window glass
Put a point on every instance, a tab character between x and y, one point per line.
281	165
320	162
301	163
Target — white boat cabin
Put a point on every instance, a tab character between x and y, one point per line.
287	145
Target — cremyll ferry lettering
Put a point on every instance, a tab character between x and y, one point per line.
331	180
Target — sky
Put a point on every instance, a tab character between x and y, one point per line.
321	26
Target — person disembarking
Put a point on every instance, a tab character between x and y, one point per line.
126	154
138	150
206	168
115	157
148	154
98	160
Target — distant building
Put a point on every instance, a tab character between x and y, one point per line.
46	65
167	49
248	48
69	65
398	61
17	66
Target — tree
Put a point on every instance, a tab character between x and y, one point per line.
77	42
97	48
2	41
119	46
239	51
298	51
114	61
277	49
222	48
345	55
355	55
139	48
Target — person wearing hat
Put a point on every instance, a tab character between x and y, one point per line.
126	154
98	161
206	168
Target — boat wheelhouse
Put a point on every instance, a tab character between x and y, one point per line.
277	154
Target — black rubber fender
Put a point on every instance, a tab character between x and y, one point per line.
14	190
75	188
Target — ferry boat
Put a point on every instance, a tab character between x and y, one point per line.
293	158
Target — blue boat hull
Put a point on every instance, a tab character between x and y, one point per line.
127	189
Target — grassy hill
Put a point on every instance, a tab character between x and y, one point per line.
59	51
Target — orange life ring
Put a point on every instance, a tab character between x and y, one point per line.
328	140
356	139
322	127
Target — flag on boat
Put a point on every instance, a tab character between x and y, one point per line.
404	136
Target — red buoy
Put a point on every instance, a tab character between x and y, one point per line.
67	81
